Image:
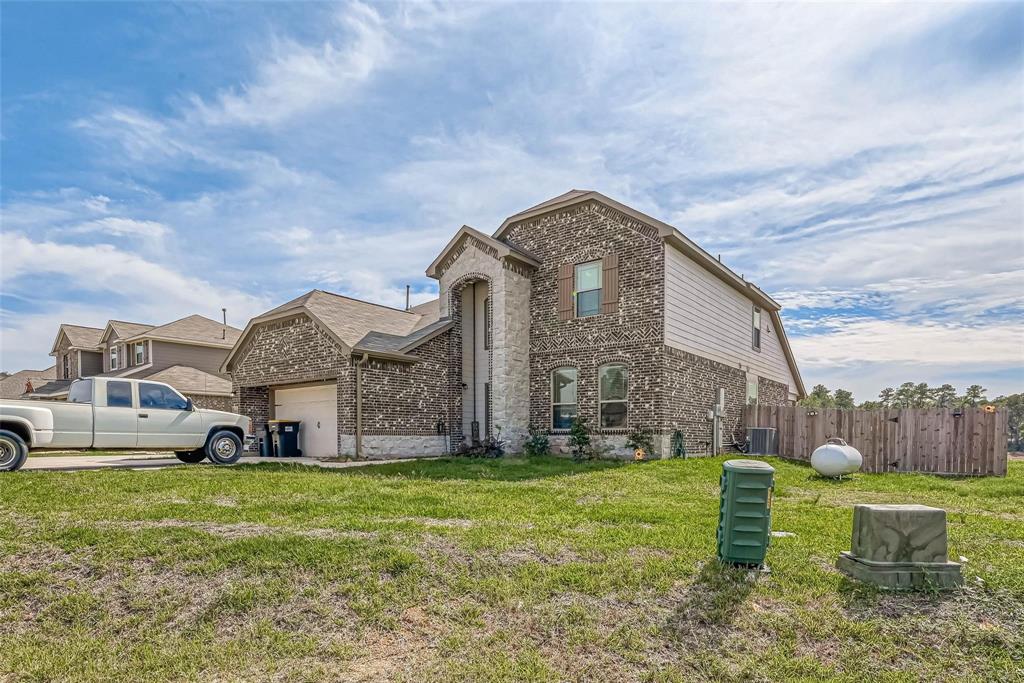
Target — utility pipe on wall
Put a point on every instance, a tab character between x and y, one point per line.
359	404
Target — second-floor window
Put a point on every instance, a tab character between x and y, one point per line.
140	352
588	289
113	358
755	329
67	366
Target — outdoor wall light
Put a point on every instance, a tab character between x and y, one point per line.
812	413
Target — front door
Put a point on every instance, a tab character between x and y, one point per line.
165	421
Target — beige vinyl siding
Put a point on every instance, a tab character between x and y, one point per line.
707	317
206	358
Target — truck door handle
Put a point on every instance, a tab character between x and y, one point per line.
143	414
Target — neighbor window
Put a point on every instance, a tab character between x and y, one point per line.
563	397
160	396
113	358
756	329
588	289
67	366
140	352
80	392
119	395
612	389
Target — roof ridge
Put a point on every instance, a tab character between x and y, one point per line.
363	301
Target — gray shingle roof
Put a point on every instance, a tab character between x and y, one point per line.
393	343
53	388
81	336
194	328
13	386
124	330
191	380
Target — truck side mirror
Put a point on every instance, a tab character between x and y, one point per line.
189	406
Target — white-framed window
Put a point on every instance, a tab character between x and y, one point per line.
613	389
752	390
564	404
588	289
113	357
755	329
140	352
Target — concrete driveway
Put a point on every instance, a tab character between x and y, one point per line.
85	461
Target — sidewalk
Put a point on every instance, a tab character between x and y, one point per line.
70	463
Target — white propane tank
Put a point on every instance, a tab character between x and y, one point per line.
836	458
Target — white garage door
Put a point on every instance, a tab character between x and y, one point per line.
317	407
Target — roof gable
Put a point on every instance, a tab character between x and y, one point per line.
123	330
78	337
496	248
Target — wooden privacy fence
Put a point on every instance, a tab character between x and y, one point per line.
968	441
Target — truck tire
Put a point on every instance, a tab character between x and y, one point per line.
13	451
191	457
224	448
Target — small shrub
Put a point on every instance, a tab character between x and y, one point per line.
491	447
537	444
641	439
579	439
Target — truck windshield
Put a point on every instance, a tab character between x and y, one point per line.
80	392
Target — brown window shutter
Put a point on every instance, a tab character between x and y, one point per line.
565	282
610	283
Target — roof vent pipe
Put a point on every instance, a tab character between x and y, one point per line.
224	330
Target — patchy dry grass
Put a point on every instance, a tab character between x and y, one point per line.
511	570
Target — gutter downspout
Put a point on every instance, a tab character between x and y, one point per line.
359	404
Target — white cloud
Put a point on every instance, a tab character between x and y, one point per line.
122	227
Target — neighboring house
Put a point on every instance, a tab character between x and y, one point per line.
186	353
577	306
14	385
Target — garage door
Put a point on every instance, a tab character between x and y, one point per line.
317	407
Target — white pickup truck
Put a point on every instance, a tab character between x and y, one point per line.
111	413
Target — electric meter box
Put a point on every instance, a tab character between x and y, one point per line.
745	513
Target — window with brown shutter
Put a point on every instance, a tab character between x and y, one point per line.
565	282
610	284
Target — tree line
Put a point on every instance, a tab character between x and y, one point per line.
920	395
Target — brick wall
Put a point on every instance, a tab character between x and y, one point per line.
406	398
772	393
226	403
288	351
691	385
632	335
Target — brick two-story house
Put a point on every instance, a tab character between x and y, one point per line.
577	306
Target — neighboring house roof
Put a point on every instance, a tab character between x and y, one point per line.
430	310
123	330
500	249
194	329
191	380
345	319
49	389
678	240
13	386
79	337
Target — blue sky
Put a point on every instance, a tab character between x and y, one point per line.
862	163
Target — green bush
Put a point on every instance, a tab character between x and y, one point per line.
537	444
579	439
641	438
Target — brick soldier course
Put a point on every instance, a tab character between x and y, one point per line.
414	378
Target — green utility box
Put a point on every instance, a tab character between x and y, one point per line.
745	515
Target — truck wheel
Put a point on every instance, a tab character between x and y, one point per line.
13	451
191	457
224	448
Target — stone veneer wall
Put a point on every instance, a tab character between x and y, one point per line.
632	335
510	325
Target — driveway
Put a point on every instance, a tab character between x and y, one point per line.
85	461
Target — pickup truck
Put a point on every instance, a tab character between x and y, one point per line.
111	413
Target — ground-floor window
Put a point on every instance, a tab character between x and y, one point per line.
613	381
563	397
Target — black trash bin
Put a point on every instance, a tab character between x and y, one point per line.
266	447
284	437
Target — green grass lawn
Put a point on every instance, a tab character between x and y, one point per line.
506	570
